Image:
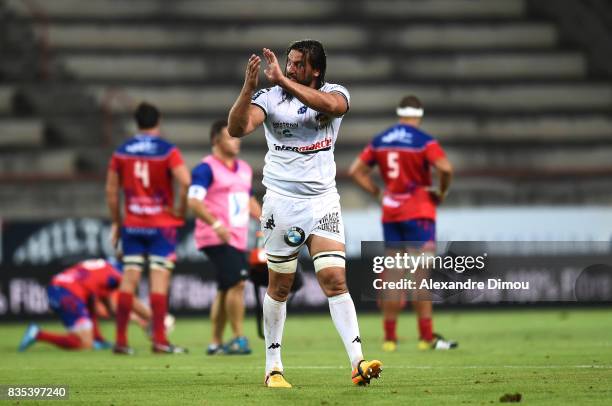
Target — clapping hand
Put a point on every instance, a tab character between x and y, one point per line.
273	71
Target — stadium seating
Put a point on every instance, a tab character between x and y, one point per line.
445	9
6	94
503	91
20	133
56	162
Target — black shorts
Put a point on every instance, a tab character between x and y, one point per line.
231	264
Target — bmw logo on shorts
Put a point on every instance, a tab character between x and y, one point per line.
295	236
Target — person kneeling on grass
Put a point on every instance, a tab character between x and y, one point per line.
73	295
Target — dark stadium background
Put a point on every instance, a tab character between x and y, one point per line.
519	93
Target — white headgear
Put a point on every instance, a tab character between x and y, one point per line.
409	112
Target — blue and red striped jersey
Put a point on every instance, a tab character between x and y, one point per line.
404	155
144	164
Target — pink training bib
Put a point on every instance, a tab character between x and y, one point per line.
227	199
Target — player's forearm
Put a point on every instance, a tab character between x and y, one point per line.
200	210
366	183
444	182
112	200
360	173
111	306
112	197
238	119
96	330
445	175
322	102
182	201
183	178
91	307
444	170
141	310
254	208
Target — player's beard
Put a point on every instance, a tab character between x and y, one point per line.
306	82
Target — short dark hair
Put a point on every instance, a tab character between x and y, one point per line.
410	101
215	129
315	55
146	116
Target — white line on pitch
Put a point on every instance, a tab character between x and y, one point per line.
461	366
289	367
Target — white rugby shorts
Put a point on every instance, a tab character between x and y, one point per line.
287	222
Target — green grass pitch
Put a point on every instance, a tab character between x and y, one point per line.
548	356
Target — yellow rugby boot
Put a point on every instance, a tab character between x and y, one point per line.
275	379
365	371
389	346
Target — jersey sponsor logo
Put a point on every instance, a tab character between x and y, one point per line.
390	202
142	147
141	231
323	120
144	210
279	124
318	146
330	223
93	264
259	93
284	128
295	236
398	135
302	110
68	277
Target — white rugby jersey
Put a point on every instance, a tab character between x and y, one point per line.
300	158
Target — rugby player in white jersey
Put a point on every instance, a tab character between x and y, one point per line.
301	114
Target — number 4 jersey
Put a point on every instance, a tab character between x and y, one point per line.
404	156
144	165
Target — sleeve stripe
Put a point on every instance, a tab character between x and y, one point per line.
261	107
197	192
348	105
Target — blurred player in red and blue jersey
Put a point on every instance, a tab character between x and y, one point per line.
72	295
144	167
405	155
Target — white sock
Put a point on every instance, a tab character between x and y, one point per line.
343	314
274	315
